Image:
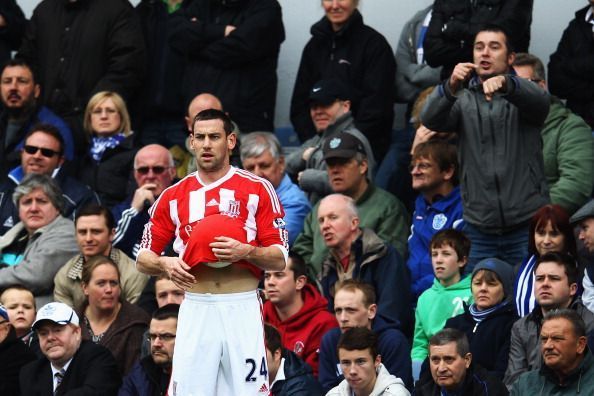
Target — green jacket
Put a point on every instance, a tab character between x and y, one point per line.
568	155
378	210
435	306
543	381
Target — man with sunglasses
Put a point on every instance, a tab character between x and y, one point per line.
150	376
154	171
43	153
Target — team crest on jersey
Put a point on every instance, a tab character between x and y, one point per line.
232	209
439	221
299	347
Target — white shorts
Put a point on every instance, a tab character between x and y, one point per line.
219	346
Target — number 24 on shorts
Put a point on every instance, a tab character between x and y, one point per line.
251	365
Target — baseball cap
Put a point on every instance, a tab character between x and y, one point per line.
56	312
327	91
342	145
583	213
204	233
3	312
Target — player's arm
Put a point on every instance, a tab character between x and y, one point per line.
177	270
269	258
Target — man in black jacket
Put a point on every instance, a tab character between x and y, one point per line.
68	366
12	27
231	49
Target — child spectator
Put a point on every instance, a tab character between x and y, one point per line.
449	255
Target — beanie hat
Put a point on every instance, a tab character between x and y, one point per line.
504	272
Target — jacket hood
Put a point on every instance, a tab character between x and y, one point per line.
384	380
463	284
557	112
313	303
294	367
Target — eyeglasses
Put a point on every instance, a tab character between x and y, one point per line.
165	337
157	170
49	153
423	166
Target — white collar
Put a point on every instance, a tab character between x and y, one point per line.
280	374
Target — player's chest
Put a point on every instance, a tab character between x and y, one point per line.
231	202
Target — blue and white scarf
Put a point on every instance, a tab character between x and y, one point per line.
99	144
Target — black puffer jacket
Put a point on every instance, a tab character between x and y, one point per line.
360	57
299	379
11	34
454	24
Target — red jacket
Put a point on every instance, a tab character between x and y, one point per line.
302	332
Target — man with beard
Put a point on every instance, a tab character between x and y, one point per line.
19	92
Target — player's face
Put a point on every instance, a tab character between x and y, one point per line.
281	286
36	210
560	346
336	223
105	118
324	115
551	286
448	368
346	175
20	306
266	166
162	338
103	289
350	311
446	264
167	292
93	236
586	233
37	161
486	291
17	87
491	54
211	146
58	342
548	239
339	11
152	166
359	369
426	175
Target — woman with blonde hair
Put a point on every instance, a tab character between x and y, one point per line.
107	166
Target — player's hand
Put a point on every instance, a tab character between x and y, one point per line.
307	153
229	29
230	250
461	74
178	272
142	194
492	85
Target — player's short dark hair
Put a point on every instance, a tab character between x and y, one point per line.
166	312
352	285
579	327
358	339
213	114
94	209
454	238
22	63
448	335
443	153
48	129
564	260
297	265
272	338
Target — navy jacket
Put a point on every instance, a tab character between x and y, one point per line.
393	347
299	379
145	379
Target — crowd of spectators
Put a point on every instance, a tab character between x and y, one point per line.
454	257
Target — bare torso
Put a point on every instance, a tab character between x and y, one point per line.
230	279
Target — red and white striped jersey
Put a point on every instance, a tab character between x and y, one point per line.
239	194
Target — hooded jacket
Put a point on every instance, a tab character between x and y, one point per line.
298	378
435	306
500	149
570	71
302	332
385	385
489	339
362	59
392	345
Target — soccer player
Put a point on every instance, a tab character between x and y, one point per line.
228	227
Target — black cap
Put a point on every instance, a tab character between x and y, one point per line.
327	91
342	145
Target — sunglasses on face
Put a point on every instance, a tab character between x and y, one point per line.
49	153
157	170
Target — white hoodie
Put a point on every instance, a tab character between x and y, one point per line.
386	384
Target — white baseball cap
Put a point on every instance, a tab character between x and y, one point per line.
58	313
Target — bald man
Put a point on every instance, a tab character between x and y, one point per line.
154	171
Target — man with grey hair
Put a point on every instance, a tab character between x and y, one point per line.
261	154
33	250
358	253
69	365
568	152
568	367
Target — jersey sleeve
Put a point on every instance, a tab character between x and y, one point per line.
160	228
270	220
